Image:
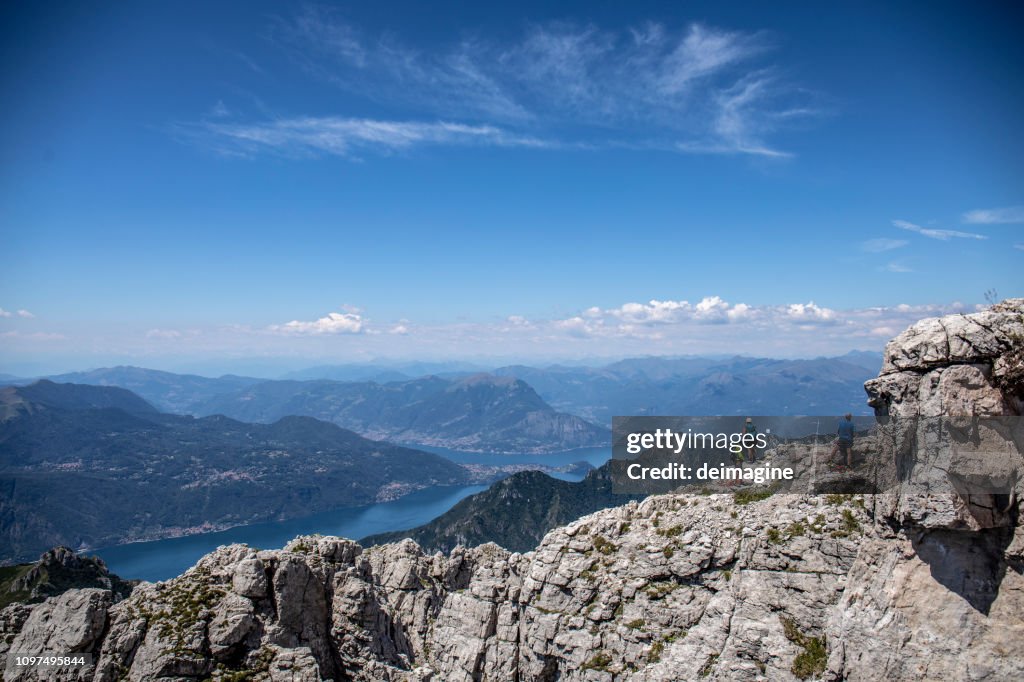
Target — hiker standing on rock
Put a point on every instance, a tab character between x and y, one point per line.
844	442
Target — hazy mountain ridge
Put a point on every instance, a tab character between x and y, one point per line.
702	386
478	413
385	371
167	391
514	420
46	393
94	476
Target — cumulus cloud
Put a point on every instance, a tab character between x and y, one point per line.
399	329
739	312
709	310
26	314
995	216
712	309
943	235
5	313
652	312
578	326
882	244
715	323
333	323
808	312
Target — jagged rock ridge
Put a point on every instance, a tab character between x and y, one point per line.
57	571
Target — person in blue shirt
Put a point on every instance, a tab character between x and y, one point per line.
844	442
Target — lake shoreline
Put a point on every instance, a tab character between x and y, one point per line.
164	557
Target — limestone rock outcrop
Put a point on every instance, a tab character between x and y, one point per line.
943	594
958	364
959	372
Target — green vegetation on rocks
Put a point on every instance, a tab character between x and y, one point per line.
811	661
748	495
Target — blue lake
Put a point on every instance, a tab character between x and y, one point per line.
163	559
595	456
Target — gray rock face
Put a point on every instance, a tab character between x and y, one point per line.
675	587
959	365
69	623
943	597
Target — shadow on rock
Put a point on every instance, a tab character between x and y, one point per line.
971	564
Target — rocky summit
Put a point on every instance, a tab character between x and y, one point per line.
743	586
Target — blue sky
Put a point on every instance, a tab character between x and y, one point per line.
201	184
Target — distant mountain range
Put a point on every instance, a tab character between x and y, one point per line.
478	413
87	466
385	372
515	512
547	409
702	386
169	392
44	394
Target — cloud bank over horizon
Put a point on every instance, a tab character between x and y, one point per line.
709	326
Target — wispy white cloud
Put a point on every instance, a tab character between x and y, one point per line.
333	323
943	235
219	110
1019	247
26	314
5	313
697	89
882	244
32	336
736	122
348	137
896	266
995	216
